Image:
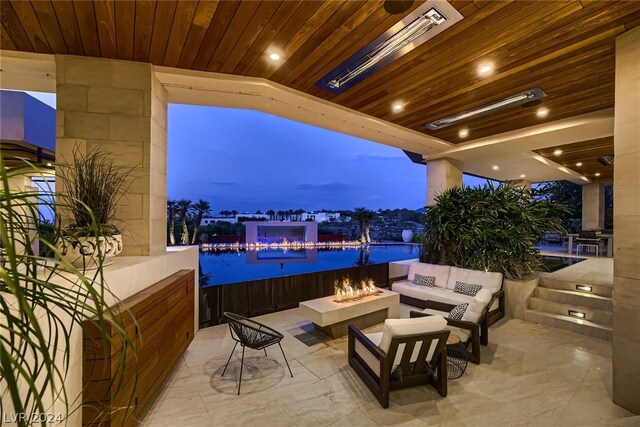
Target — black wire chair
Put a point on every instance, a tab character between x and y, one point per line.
254	335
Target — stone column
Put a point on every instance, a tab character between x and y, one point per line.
626	220
593	205
441	175
121	107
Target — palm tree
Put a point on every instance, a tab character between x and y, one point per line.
359	215
258	212
299	213
233	213
202	207
224	213
271	213
281	215
368	217
171	218
183	209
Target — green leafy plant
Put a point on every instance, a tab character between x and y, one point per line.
93	181
490	228
44	303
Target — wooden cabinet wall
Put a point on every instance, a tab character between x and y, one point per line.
161	332
257	297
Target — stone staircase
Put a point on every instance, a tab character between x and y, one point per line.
555	297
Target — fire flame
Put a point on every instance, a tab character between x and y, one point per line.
349	291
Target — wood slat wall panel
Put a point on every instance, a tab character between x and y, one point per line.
241	18
286	12
106	21
163	329
179	31
260	19
143	29
125	21
586	152
201	22
224	14
88	27
14	29
31	25
437	79
49	22
162	27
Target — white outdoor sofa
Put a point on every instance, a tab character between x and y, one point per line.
482	311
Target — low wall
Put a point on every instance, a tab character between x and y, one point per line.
517	295
257	297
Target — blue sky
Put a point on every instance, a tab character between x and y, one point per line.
248	160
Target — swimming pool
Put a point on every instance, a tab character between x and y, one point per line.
223	267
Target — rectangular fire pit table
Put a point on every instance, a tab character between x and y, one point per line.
332	317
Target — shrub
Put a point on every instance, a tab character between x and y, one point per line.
491	228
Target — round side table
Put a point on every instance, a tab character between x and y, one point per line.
457	360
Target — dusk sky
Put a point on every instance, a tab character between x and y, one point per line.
247	160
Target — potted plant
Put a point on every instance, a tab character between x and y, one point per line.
94	185
492	228
41	300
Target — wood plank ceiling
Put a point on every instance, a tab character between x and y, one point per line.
564	47
582	157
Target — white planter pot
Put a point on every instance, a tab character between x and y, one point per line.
113	245
83	252
407	236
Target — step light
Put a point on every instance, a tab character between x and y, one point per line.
579	314
416	28
492	107
584	288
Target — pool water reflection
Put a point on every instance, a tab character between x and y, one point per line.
223	267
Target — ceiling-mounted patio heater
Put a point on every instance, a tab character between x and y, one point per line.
606	160
416	28
492	107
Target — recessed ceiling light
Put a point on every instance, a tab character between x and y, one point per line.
495	167
579	164
542	112
485	69
398	106
463	133
557	152
274	57
597	174
523	176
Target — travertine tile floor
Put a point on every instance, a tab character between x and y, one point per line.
531	375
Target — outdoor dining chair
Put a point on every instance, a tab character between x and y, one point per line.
252	334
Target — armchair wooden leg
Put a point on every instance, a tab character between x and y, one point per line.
442	375
484	332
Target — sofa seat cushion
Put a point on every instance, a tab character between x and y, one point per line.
488	280
440	272
424	293
464	334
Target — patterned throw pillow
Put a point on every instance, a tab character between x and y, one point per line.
458	311
428	281
467	289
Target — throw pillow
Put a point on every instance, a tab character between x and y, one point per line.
458	311
467	289
428	281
